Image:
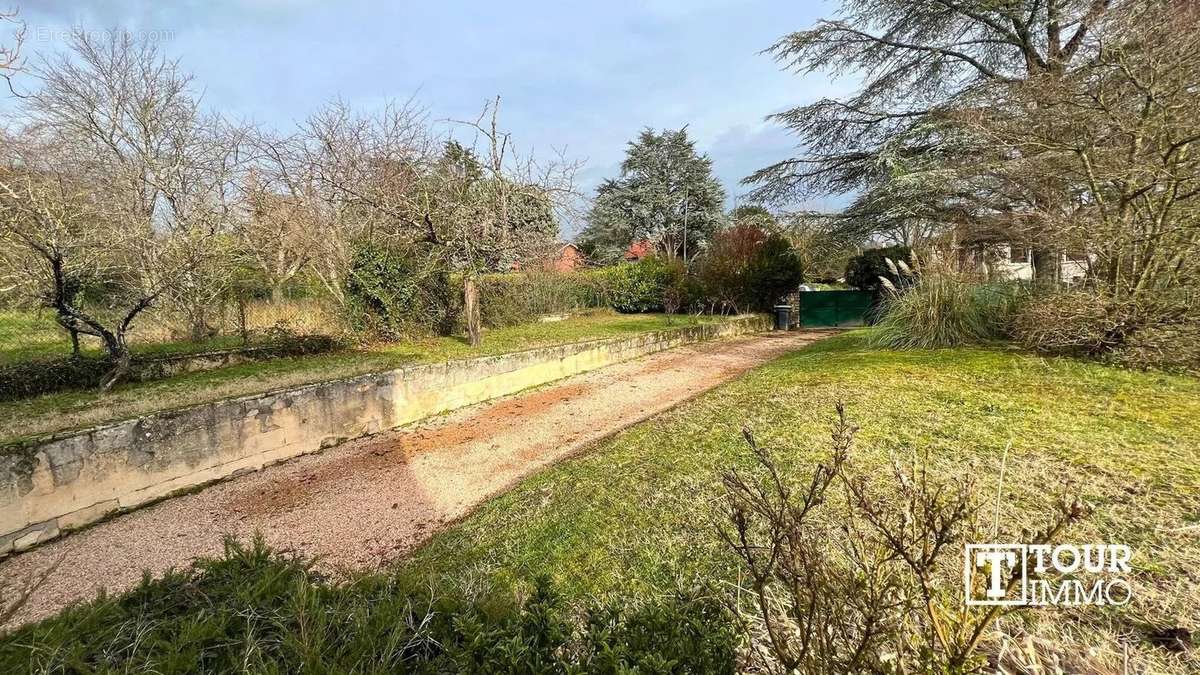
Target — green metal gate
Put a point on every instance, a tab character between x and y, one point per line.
834	308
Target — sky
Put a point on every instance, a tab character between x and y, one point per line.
582	78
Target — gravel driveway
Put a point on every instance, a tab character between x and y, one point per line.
370	501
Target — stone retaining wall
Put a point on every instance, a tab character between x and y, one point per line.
69	480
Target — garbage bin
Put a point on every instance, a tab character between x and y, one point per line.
783	317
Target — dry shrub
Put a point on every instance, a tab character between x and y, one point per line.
1169	346
1161	331
874	588
304	316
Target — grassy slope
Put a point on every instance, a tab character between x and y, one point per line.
635	516
55	412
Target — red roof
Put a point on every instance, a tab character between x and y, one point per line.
639	249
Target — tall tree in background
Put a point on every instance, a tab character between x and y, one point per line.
893	141
666	194
498	206
1105	155
475	208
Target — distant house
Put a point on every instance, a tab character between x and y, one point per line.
1010	261
638	250
568	258
564	257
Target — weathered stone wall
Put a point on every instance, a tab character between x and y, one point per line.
70	480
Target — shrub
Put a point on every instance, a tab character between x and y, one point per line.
723	270
642	286
399	292
865	270
254	610
943	307
747	269
875	587
1151	331
1173	346
508	299
773	272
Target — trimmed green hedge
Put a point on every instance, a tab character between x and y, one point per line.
642	286
508	299
26	379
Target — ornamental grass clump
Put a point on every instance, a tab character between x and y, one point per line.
942	304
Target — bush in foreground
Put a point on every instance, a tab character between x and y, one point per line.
255	610
878	587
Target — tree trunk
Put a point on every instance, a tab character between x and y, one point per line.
1045	267
277	298
74	342
471	309
118	351
243	331
199	329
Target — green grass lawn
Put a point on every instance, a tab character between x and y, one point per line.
633	520
636	515
56	412
27	335
35	335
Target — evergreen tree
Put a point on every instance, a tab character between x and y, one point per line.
666	194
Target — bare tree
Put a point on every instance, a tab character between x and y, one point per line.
118	175
58	236
824	242
357	177
388	177
281	228
1105	154
10	52
493	221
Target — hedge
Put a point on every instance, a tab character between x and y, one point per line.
509	299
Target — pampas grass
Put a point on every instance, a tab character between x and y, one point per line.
943	304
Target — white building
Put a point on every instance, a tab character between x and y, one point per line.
1006	261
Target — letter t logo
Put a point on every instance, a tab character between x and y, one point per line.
993	561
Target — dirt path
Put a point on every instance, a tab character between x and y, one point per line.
370	501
